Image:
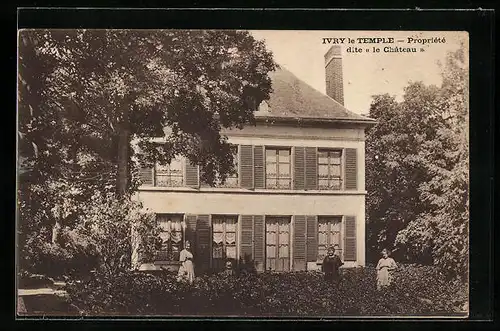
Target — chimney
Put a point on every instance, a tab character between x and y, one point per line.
333	73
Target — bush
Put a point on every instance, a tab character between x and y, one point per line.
417	291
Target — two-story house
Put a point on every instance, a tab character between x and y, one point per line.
298	189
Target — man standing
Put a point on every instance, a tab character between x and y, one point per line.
331	265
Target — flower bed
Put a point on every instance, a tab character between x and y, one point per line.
417	291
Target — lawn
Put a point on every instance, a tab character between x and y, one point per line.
417	291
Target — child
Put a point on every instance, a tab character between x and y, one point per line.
331	265
385	267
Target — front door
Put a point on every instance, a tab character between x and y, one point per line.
278	243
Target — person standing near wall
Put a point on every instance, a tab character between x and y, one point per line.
331	265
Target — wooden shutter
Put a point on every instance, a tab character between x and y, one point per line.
311	158
351	169
312	238
203	240
350	238
191	229
246	243
299	243
259	242
146	176
192	176
299	168
259	169
246	166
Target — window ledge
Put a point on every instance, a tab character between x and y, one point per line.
249	191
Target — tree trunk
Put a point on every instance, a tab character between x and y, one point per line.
123	154
123	158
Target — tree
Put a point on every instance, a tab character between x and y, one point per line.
417	171
85	95
443	228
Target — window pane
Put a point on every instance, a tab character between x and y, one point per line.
283	251
270	155
231	252
271	183
323	157
284	155
334	157
335	171
284	170
323	171
323	183
335	184
271	169
176	165
284	183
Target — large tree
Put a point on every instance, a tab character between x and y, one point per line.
85	95
417	171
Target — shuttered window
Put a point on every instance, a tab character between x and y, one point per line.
192	175
278	243
170	175
171	237
350	245
246	166
311	157
299	168
312	238
202	245
252	245
329	169
224	237
299	243
329	234
146	176
278	168
351	169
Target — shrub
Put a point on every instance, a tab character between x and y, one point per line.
417	291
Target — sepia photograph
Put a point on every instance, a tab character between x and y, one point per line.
242	173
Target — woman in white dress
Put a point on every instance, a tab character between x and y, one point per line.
186	269
385	267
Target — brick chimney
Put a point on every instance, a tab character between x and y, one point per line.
333	73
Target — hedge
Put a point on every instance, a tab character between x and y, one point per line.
416	291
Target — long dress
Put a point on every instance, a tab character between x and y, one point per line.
384	268
187	268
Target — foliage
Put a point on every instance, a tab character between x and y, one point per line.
85	95
271	294
101	239
417	172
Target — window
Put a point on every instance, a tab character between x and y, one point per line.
169	175
278	169
171	237
329	234
224	239
329	169
232	178
278	243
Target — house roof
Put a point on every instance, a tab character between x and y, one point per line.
292	98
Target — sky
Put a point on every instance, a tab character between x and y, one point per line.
364	74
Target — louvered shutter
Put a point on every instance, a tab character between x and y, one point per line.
146	176
311	158
246	166
246	244
312	238
192	176
191	229
202	252
259	170
299	243
299	168
350	238
351	169
259	242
